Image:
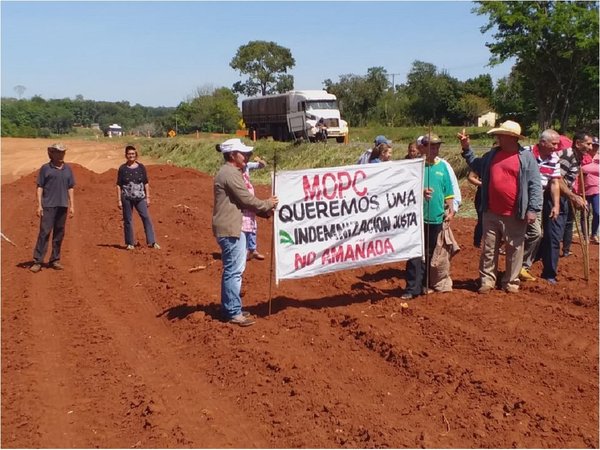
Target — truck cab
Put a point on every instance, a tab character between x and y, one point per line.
294	115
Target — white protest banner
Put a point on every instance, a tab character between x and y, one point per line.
341	218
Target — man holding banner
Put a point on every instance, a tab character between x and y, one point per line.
437	208
231	197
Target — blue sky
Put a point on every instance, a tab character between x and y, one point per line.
160	53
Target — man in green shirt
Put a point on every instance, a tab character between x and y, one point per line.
437	208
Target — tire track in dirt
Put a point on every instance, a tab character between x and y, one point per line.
180	403
337	364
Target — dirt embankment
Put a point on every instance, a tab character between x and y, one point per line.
126	349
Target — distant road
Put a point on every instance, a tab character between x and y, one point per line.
22	156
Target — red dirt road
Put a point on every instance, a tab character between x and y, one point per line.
125	348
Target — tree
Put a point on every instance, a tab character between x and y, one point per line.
266	65
556	49
358	96
472	106
433	96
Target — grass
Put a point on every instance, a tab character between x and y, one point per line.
199	152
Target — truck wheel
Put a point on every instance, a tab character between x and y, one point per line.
340	140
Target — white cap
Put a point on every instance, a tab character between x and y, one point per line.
235	145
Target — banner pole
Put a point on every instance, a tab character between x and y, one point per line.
428	211
272	231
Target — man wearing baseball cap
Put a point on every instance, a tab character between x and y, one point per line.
231	198
511	197
55	183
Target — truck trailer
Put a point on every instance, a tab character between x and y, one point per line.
294	115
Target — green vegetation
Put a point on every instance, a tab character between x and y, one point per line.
555	45
266	65
553	84
200	153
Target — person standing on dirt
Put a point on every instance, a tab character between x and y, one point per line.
455	187
55	184
549	219
133	192
231	197
437	209
249	225
571	160
511	197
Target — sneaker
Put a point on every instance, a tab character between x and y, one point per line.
566	254
551	281
407	296
485	289
242	321
155	245
57	266
524	275
246	314
130	247
36	267
594	240
511	289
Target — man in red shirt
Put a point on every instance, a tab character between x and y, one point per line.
511	197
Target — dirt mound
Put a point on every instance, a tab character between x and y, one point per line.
125	348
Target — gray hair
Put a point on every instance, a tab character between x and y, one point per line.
548	135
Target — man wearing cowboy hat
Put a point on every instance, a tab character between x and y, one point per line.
55	185
511	197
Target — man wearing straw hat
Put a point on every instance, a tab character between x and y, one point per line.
511	198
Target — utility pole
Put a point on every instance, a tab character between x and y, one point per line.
393	75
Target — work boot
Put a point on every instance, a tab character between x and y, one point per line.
524	275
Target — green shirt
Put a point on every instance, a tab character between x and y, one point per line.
436	177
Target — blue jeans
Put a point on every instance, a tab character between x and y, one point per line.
53	220
553	232
233	257
567	236
141	207
250	240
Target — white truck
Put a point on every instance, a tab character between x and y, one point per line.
294	115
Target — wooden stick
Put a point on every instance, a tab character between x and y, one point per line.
272	233
585	238
7	239
427	262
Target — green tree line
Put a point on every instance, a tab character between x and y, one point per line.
553	83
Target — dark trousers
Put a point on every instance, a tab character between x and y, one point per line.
478	232
553	231
141	207
417	270
53	220
567	237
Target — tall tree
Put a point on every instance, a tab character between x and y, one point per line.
266	65
358	95
556	49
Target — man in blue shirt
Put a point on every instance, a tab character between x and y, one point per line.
55	185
